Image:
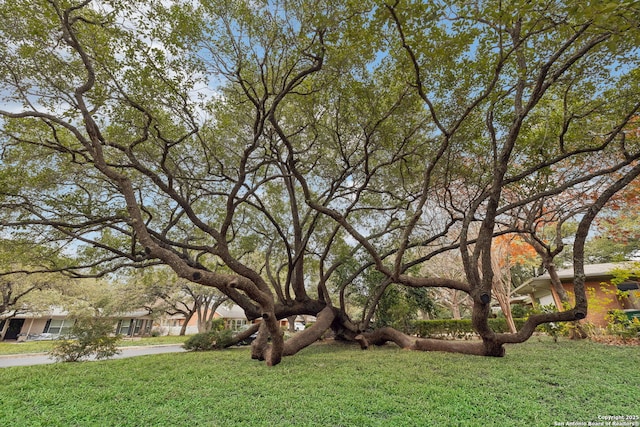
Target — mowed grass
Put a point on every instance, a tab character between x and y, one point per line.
539	383
30	347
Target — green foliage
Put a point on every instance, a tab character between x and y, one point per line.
28	291
618	232
621	325
458	328
217	325
536	384
271	134
224	338
520	311
88	337
553	329
627	272
605	248
398	307
213	340
200	342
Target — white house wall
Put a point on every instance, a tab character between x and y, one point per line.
34	326
546	300
175	330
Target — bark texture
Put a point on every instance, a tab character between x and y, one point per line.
310	335
384	335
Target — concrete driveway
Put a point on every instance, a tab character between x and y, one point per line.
43	358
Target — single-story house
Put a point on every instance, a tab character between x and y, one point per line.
602	295
299	323
234	319
55	322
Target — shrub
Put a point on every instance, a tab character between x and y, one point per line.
619	324
553	329
224	338
199	342
458	328
444	328
500	325
520	311
212	340
87	337
217	324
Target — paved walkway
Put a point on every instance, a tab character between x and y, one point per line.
43	358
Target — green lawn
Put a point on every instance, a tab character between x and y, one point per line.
539	383
45	346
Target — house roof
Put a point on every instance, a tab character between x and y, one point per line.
55	311
233	312
591	271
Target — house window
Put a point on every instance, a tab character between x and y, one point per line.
236	324
628	286
58	326
137	326
124	326
147	328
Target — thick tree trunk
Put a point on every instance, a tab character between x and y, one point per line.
203	326
274	352
577	332
291	320
3	330
455	310
183	329
260	344
260	348
310	335
207	312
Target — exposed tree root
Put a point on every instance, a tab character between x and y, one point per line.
384	335
491	344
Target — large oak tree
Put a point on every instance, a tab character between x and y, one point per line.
302	145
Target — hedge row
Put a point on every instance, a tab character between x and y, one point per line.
458	328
